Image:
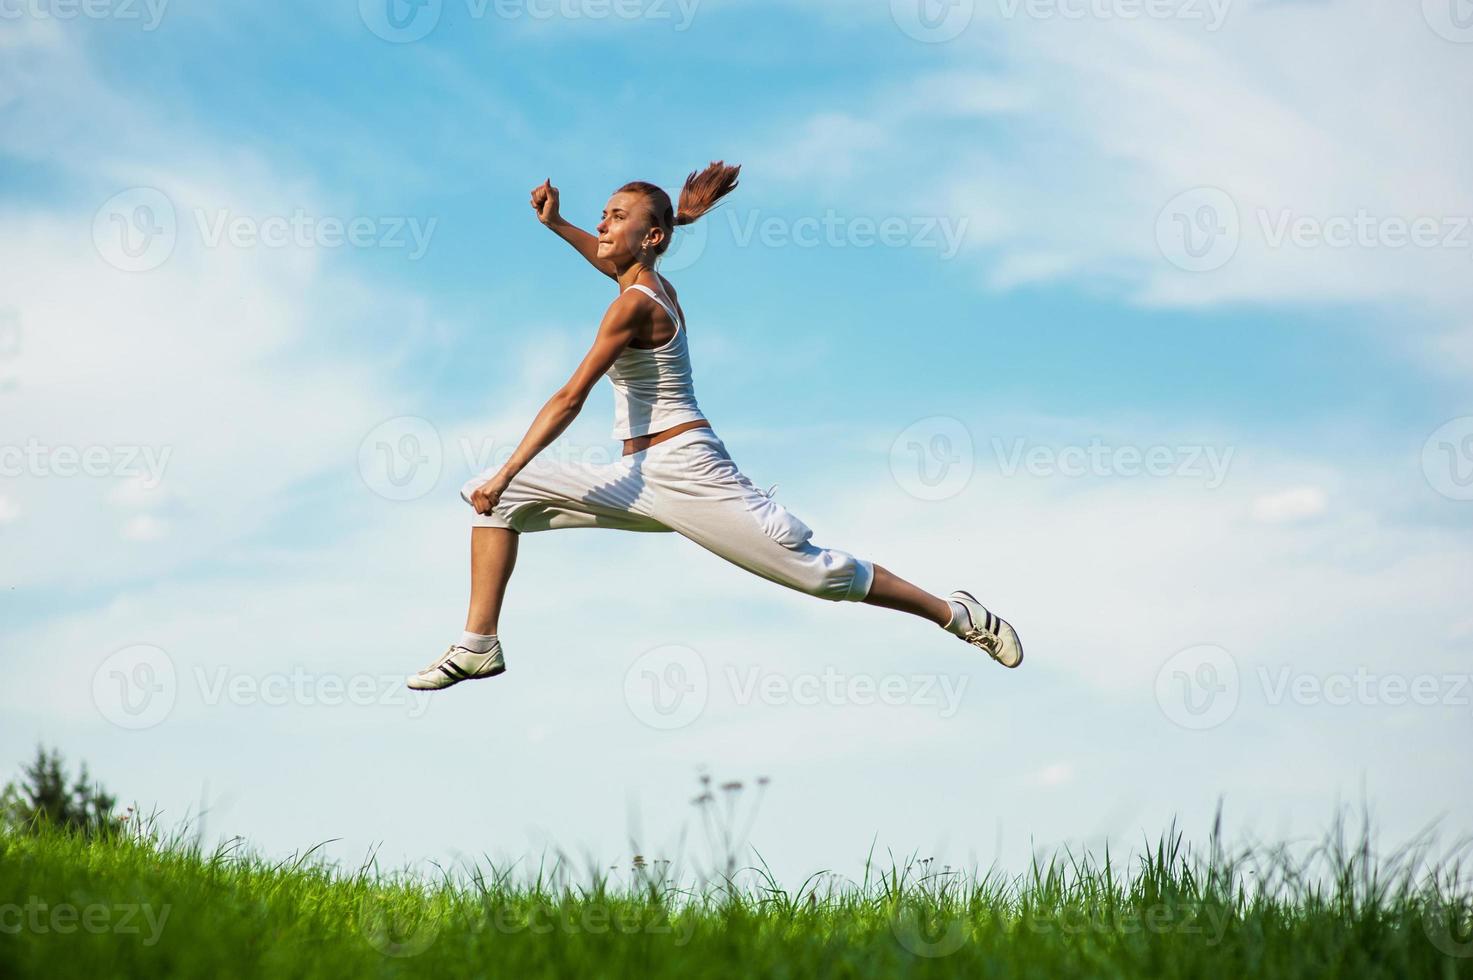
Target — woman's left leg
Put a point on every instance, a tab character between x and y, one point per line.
697	490
893	592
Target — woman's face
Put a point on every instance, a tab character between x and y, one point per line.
625	232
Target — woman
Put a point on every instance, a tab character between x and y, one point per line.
675	474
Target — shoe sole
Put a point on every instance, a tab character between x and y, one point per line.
461	680
1010	626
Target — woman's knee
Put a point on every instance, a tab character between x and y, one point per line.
830	574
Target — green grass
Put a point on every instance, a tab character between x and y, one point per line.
139	904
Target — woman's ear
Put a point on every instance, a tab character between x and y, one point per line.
654	238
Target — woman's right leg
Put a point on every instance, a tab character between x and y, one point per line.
493	556
548	494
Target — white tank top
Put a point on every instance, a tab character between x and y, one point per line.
653	389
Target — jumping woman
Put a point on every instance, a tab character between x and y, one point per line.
675	474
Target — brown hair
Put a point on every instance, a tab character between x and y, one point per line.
701	192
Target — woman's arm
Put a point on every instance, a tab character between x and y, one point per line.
614	334
545	203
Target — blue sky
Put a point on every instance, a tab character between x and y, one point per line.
1067	315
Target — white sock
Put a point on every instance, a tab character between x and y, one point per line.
961	620
477	642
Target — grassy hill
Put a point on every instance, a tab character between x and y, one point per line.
134	904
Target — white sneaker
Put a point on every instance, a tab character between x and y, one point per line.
989	631
459	664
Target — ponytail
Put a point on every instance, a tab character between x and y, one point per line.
702	190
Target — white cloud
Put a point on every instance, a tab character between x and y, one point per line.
144	527
1065	151
200	381
1055	774
143	492
1294	504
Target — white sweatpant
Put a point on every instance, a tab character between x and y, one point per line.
687	484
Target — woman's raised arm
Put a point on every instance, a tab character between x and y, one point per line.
545	203
614	334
